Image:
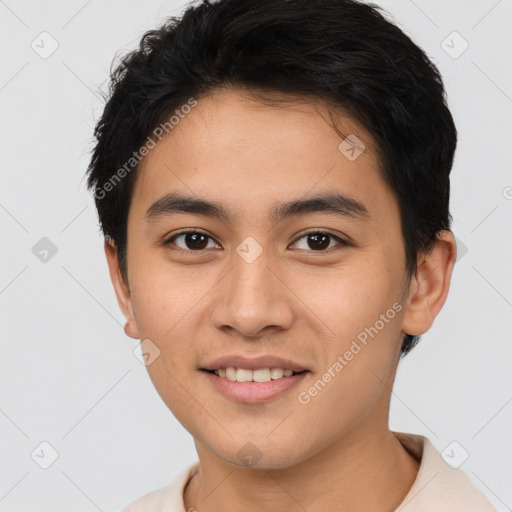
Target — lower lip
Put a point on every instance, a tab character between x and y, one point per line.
254	392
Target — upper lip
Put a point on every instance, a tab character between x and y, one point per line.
253	363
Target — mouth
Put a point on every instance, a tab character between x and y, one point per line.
258	375
245	379
243	385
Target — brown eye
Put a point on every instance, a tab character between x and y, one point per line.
319	241
192	241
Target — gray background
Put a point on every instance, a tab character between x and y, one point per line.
68	373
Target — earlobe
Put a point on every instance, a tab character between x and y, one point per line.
430	285
121	289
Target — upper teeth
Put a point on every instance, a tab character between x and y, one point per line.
245	375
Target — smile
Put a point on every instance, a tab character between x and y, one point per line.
242	385
248	375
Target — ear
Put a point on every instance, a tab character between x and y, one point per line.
121	288
429	286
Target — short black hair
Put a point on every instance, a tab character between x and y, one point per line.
343	52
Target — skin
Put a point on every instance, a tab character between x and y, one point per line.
294	301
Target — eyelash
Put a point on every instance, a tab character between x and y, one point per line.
170	240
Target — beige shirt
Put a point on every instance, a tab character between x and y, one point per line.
437	488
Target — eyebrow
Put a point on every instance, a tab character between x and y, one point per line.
333	203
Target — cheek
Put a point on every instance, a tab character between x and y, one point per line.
362	311
359	361
349	299
162	299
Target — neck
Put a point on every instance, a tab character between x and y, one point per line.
364	470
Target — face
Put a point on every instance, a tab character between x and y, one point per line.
304	270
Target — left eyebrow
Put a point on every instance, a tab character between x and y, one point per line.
335	203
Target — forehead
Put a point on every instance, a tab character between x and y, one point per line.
231	117
232	146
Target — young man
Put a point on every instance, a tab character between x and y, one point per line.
272	179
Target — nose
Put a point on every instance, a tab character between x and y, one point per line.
252	300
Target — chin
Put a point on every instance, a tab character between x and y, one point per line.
260	453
